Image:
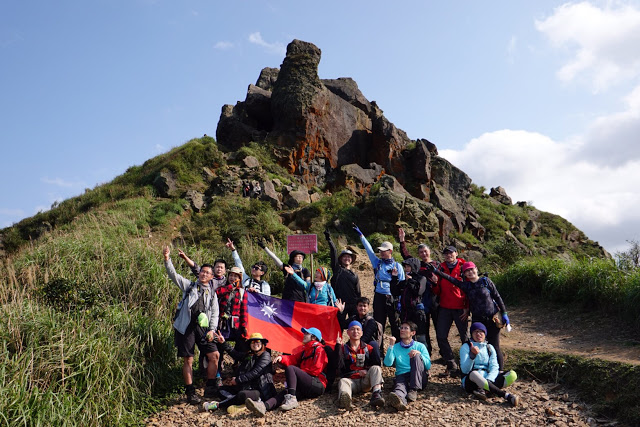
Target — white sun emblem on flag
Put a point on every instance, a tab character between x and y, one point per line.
268	310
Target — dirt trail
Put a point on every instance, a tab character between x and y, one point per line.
535	327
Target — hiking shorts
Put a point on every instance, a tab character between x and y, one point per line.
194	335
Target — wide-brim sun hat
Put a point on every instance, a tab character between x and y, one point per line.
257	336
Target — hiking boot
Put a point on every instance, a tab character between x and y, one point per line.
257	407
344	401
397	402
290	402
234	409
513	399
209	406
412	396
480	395
377	401
193	398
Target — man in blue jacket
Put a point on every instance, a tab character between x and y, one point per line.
383	301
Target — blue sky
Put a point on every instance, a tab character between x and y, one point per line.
542	98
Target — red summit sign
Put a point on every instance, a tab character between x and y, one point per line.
307	243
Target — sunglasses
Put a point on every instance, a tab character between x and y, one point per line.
256	267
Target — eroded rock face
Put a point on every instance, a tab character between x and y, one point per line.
500	194
327	133
196	199
166	185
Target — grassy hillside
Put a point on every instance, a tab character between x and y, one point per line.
87	303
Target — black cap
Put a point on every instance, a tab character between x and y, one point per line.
449	249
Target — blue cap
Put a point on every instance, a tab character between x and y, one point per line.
313	331
355	323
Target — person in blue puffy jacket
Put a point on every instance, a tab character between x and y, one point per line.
479	366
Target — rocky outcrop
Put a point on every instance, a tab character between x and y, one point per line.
166	185
500	194
196	200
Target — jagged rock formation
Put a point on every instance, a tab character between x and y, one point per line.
327	133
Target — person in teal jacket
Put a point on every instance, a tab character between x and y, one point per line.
479	365
412	361
320	291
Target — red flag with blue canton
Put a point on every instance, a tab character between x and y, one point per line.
281	321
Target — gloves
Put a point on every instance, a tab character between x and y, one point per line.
327	235
261	243
357	230
505	318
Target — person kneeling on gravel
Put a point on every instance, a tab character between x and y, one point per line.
359	367
304	373
411	360
479	366
252	379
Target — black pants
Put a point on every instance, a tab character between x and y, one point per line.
299	383
383	309
495	387
239	398
447	316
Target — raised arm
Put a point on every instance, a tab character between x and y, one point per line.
273	256
236	258
332	251
403	246
179	281
299	280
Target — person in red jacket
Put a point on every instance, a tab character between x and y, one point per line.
304	373
454	307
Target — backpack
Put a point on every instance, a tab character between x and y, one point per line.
379	334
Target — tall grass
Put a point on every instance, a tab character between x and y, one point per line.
589	283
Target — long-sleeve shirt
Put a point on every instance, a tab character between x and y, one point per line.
345	282
194	289
450	295
486	361
291	291
248	281
382	269
399	356
312	359
483	296
323	296
235	307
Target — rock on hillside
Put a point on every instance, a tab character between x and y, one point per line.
329	135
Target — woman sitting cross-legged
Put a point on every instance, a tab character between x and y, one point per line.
304	373
253	378
479	366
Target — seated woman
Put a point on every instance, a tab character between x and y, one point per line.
485	303
320	292
304	373
253	378
479	366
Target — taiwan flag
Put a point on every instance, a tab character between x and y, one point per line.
280	321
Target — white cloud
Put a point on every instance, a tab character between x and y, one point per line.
276	48
603	42
159	149
223	45
601	201
62	183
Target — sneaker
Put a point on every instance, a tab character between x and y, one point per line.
344	401
257	407
193	398
397	402
234	409
290	402
209	406
412	396
480	395
513	399
377	401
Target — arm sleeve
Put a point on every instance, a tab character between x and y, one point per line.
195	269
274	257
425	357
367	247
390	357
238	262
300	281
243	311
266	288
333	252
370	328
215	313
401	275
496	296
179	281
403	251
374	354
257	370
445	276
494	369
466	363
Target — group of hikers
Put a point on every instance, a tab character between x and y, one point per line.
409	294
